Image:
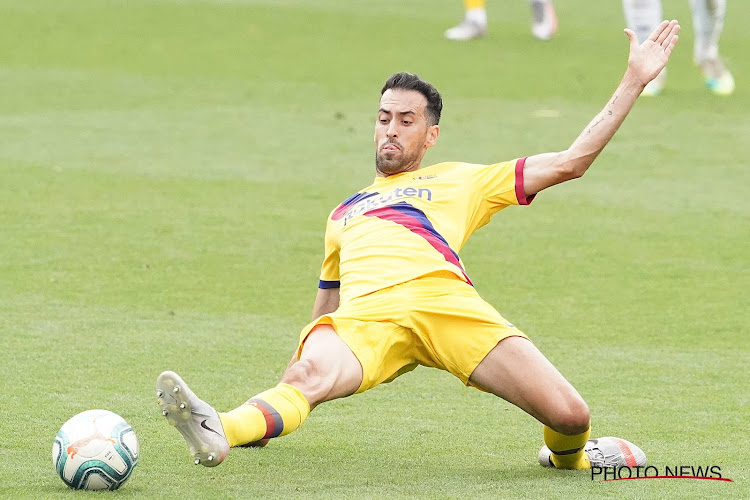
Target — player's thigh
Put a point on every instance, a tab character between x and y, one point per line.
518	372
326	369
368	327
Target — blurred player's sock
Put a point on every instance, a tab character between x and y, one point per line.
543	19
473	25
566	451
654	87
708	21
642	16
276	412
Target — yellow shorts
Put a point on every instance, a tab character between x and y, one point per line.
431	321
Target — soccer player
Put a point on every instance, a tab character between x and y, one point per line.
394	293
474	23
708	21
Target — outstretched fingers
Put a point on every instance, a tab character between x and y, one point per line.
658	31
665	32
673	41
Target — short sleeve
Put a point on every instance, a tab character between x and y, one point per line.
501	184
329	272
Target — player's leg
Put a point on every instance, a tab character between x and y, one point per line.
516	371
463	334
543	19
327	369
642	16
708	22
474	23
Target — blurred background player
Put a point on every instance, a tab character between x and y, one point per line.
643	16
474	24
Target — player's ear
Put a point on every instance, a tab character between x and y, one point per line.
433	131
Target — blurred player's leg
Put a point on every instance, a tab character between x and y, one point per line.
543	19
642	16
708	22
474	23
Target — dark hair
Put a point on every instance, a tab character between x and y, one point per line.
410	81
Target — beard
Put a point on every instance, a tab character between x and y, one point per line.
395	162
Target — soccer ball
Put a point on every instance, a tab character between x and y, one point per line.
95	450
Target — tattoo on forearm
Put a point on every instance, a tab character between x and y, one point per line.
601	119
614	100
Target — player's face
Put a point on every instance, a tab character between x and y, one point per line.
402	133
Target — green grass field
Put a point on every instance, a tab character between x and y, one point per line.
166	168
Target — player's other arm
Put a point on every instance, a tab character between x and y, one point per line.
327	301
644	63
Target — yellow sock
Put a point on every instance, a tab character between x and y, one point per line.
473	4
276	412
567	451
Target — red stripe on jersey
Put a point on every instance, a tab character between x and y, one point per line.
520	192
416	226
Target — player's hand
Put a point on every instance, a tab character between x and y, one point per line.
649	58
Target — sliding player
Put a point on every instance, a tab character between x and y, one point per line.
394	293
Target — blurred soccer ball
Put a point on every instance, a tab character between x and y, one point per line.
95	450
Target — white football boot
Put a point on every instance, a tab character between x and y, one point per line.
473	25
543	20
604	452
196	420
718	78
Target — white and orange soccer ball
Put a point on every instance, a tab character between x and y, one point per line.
95	450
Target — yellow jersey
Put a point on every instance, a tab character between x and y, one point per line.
414	224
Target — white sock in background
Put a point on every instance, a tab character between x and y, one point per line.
708	23
477	16
642	16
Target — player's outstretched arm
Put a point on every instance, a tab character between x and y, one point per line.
644	63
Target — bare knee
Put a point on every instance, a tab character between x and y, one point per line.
573	417
310	378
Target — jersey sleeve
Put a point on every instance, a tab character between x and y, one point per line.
501	184
329	272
